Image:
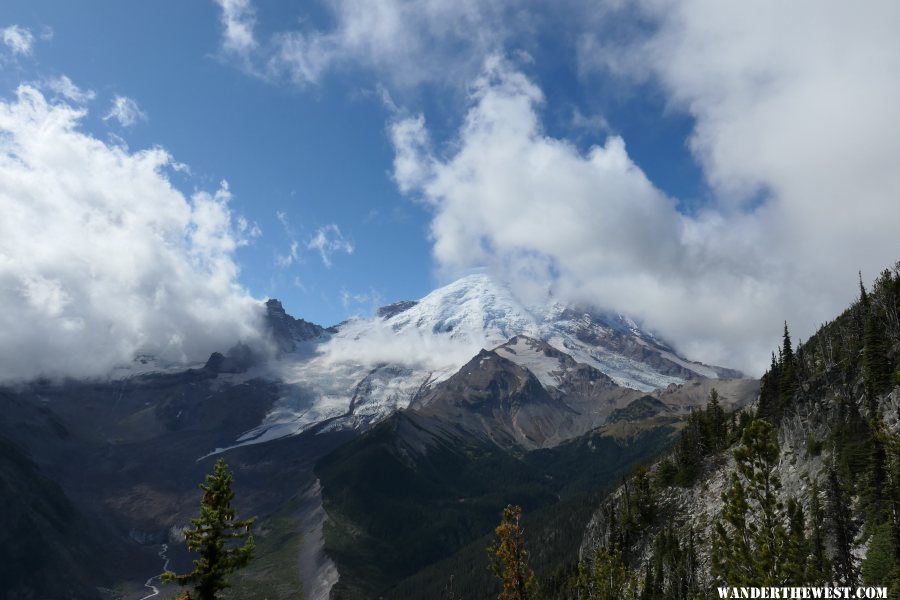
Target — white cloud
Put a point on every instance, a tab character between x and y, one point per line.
18	39
238	21
405	42
369	300
101	257
126	111
292	255
327	241
63	86
718	284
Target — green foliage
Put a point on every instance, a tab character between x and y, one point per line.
877	364
706	432
819	565
610	578
880	565
402	523
843	530
813	445
751	545
673	567
214	535
509	558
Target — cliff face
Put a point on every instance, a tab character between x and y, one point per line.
696	507
832	403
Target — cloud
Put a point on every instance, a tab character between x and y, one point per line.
63	86
405	42
369	300
238	22
718	283
126	111
375	343
292	255
101	257
18	39
327	241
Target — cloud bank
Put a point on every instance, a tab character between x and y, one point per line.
717	283
101	257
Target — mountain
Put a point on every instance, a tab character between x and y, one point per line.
523	423
456	403
359	372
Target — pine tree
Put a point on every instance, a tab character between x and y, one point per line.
787	385
819	567
509	558
213	535
750	544
798	555
843	530
717	423
611	578
876	362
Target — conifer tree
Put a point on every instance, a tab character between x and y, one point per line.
717	423
798	555
611	578
819	567
509	558
787	384
213	535
843	530
750	543
876	362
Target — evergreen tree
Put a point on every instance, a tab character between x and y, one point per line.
716	422
611	578
787	385
863	296
819	567
880	566
509	558
876	361
874	501
214	535
843	530
798	555
750	541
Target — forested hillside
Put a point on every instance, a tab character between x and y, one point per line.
801	489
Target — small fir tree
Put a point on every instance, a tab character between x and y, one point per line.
750	543
216	535
509	558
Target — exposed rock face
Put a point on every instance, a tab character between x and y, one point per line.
288	331
386	312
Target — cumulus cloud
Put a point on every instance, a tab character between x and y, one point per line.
101	257
717	283
18	39
328	240
126	111
406	42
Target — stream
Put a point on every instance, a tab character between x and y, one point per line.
148	585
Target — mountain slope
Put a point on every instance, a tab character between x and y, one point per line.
834	403
423	483
363	370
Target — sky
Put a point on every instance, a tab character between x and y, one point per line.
710	169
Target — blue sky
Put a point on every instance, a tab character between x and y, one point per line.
319	155
688	163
